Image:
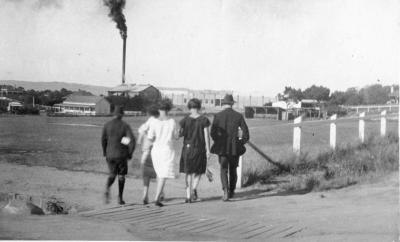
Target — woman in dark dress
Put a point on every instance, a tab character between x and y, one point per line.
196	148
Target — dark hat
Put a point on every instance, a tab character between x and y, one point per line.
228	99
118	110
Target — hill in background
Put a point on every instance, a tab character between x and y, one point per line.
96	90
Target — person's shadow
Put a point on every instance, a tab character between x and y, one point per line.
257	194
249	194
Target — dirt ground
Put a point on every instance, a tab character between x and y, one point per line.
367	212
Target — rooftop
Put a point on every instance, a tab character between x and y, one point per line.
75	98
130	88
173	89
309	101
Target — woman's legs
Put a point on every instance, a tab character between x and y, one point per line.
160	187
189	181
146	183
146	178
162	195
196	182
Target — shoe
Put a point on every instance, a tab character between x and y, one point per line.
121	202
145	201
162	197
195	197
158	203
107	197
231	194
188	200
225	198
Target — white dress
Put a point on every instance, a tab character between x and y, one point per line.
144	129
163	153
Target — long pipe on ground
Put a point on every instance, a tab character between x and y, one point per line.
279	165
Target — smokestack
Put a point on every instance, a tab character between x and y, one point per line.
117	15
123	58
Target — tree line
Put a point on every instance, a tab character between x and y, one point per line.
44	97
31	98
371	94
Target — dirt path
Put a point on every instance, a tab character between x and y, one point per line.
366	212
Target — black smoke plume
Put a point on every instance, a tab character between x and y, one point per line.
116	7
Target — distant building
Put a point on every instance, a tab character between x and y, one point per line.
307	107
310	108
283	104
14	106
76	104
266	112
308	104
9	90
394	95
134	98
172	91
4	101
180	96
10	105
210	99
132	90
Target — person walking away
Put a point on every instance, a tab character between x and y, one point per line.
118	143
162	133
227	143
196	148
146	164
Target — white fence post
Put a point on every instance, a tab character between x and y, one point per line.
239	171
361	126
332	137
383	123
297	136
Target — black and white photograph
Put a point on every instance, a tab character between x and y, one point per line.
199	120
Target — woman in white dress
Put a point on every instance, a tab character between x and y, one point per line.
162	132
146	164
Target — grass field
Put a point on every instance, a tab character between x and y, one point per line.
73	143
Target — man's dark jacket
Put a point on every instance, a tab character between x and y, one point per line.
224	132
113	132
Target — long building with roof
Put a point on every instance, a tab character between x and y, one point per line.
132	90
76	104
210	99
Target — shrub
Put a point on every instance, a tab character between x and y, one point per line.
344	166
335	109
27	109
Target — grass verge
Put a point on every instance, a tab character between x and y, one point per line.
344	166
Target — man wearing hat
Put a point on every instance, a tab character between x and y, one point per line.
229	143
118	145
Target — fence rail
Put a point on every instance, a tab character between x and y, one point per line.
333	120
368	108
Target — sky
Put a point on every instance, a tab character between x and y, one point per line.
248	46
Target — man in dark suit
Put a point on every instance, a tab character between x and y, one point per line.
118	144
229	143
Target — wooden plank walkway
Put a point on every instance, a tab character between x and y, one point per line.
177	219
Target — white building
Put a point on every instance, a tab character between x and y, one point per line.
14	105
180	97
83	105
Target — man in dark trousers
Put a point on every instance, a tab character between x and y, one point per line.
229	143
118	145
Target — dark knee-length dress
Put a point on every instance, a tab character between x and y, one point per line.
194	158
